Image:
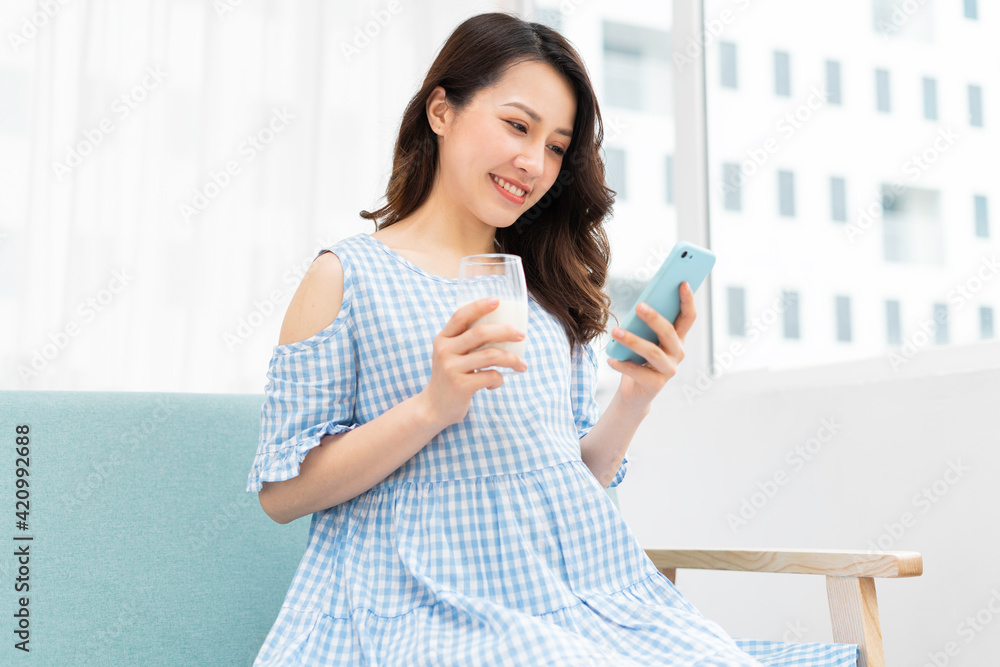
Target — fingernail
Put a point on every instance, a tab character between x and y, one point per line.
616	332
642	308
492	301
521	335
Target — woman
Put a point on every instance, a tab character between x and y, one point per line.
451	525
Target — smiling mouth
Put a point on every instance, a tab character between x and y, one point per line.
511	196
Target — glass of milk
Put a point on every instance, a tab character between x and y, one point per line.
500	275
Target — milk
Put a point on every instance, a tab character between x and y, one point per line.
509	311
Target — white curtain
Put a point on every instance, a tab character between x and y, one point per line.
171	167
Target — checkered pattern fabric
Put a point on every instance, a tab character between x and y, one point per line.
494	544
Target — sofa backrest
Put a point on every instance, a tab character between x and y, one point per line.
146	549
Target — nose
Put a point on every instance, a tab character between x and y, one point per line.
532	160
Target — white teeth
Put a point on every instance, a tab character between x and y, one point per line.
508	187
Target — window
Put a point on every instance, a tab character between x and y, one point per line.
975	106
786	194
882	90
986	322
638	74
912	228
838	199
833	95
982	224
669	169
971	9
782	77
930	99
727	64
791	315
617	175
941	323
731	180
735	299
892	323
843	307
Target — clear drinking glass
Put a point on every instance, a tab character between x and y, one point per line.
500	275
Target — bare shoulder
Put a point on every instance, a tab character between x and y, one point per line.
316	302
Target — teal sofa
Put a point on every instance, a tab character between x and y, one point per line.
145	547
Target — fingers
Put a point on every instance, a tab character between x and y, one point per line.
670	337
463	318
491	356
688	314
485	334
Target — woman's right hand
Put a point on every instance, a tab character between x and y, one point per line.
453	377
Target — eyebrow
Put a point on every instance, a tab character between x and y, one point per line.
535	117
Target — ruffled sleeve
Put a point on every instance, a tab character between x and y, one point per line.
583	390
310	392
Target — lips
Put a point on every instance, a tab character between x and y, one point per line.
514	183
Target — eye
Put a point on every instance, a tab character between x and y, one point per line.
555	149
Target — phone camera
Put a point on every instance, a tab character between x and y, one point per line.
684	254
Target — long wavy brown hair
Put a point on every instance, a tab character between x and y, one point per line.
561	239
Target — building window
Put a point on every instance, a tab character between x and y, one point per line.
838	199
833	95
882	90
941	323
912	226
616	172
982	223
731	180
975	106
736	301
638	74
786	194
843	306
669	168
930	99
727	64
986	322
791	316
971	9
893	328
782	76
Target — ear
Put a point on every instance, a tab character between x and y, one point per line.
438	110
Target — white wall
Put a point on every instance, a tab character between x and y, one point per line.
895	435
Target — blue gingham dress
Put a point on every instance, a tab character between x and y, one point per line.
494	544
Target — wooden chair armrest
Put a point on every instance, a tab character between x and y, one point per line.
850	582
878	564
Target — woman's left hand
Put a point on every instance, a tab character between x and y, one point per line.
641	384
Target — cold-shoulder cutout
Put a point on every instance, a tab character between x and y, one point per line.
319	306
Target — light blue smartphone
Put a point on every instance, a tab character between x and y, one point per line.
686	262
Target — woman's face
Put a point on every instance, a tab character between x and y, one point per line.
518	130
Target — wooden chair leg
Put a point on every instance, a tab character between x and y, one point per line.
670	573
854	614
